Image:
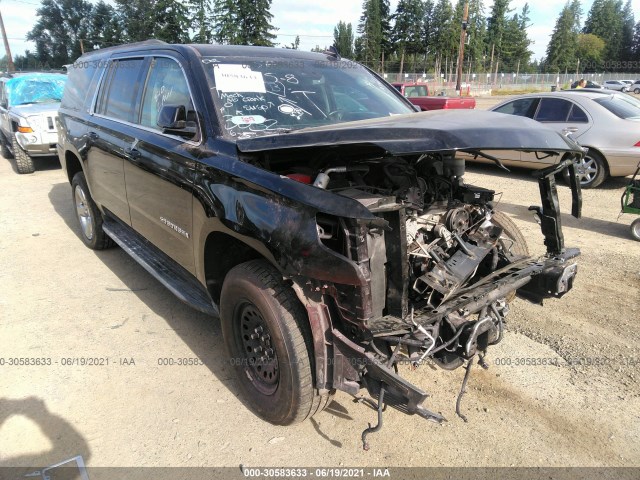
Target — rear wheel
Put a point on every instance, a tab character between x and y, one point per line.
89	217
592	170
635	229
268	339
24	163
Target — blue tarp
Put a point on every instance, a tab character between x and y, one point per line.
35	88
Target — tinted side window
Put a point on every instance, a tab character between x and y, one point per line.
578	115
119	90
553	110
75	90
166	85
524	107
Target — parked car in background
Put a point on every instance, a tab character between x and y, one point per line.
618	85
28	108
628	82
418	94
590	84
635	87
605	122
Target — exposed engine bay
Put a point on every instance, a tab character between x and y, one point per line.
442	266
449	241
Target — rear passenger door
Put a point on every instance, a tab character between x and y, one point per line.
160	167
562	115
110	132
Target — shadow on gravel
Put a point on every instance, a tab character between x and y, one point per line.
40	163
200	332
65	440
611	228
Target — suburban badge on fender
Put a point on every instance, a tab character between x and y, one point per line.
175	227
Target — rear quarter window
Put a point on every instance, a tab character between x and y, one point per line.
79	79
623	106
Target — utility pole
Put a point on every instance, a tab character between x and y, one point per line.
82	46
10	67
463	35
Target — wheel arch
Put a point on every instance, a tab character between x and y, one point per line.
73	165
222	252
604	158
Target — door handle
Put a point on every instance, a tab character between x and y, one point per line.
132	153
94	136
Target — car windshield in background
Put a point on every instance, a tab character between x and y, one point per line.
28	89
263	97
623	106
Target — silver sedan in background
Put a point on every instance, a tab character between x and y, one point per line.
618	85
606	123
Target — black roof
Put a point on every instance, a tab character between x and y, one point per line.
208	50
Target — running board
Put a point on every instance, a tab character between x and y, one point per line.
173	276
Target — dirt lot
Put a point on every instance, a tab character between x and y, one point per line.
60	300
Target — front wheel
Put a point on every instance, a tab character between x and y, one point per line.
268	339
512	242
89	217
24	163
635	229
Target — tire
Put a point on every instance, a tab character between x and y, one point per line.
514	245
592	170
89	217
4	147
635	229
276	381
636	91
24	163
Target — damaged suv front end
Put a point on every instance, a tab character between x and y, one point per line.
394	257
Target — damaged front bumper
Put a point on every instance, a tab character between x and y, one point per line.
550	276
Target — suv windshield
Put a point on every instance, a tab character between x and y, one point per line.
45	88
623	106
263	97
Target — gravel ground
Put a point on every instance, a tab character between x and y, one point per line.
577	405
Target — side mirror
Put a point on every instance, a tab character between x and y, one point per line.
173	119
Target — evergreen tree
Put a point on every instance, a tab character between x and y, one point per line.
201	18
605	20
497	24
515	48
427	27
635	49
407	32
106	27
243	22
628	27
138	19
343	39
370	30
226	22
57	32
444	42
476	32
561	51
171	21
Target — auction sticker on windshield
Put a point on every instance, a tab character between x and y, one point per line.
237	78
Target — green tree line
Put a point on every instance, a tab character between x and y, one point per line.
609	39
420	35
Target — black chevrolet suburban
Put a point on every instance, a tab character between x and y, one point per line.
300	198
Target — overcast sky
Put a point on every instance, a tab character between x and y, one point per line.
313	21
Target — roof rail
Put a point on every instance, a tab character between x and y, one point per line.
151	41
